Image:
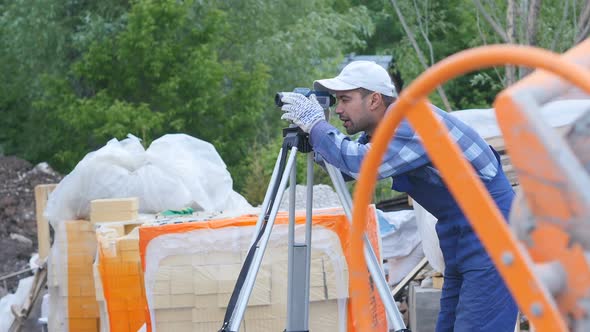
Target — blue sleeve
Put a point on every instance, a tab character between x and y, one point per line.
404	153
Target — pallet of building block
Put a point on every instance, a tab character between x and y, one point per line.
279	276
323	316
175	320
128	249
231	235
173	286
84	324
261	292
201	283
125	279
122	228
176	280
328	270
99	294
272	317
58	268
83	314
114	209
57	280
173	294
336	278
209	319
121	276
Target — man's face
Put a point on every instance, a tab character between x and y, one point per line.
353	110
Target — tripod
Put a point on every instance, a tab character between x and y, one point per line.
299	254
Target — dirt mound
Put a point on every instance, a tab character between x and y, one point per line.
18	226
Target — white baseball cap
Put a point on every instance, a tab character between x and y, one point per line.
359	74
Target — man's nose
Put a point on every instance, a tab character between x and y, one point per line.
338	110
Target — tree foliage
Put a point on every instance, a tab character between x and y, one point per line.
76	73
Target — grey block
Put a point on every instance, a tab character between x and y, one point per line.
423	306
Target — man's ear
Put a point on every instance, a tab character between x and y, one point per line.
376	100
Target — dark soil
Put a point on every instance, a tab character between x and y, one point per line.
18	179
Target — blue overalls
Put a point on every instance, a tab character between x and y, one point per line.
474	296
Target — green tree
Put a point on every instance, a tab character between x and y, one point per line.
298	41
160	74
39	40
82	71
77	73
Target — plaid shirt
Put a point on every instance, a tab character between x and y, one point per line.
405	152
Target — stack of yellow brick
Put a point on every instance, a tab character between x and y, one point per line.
191	290
75	285
323	292
114	209
118	269
81	248
120	274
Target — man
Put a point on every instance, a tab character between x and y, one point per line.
474	297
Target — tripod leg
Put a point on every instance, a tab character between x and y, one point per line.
373	264
294	264
299	261
267	196
242	302
308	227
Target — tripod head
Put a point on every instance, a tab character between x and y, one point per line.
295	136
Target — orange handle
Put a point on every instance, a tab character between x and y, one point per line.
467	189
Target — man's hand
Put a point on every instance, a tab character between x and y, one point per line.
302	111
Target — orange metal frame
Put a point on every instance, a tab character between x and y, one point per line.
471	195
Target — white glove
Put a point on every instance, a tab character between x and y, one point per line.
303	112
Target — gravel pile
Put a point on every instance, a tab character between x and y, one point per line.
323	197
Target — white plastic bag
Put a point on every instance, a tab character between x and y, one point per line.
399	233
426	228
399	267
175	172
18	299
556	114
199	167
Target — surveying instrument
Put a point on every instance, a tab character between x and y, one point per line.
299	254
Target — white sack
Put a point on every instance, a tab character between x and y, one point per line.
18	299
399	233
399	267
556	114
197	165
175	172
426	223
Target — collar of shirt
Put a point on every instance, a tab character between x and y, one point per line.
364	138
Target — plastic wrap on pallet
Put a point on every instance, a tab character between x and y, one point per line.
190	270
102	307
